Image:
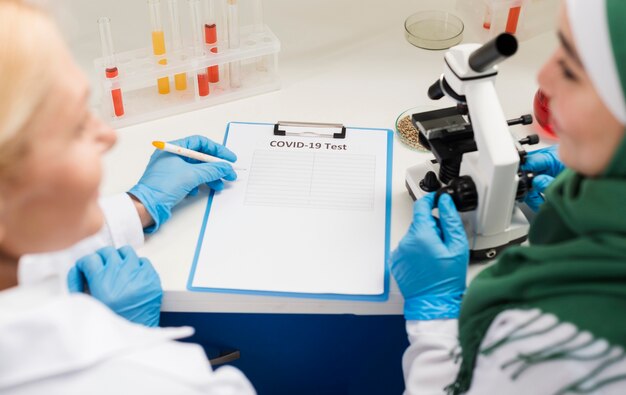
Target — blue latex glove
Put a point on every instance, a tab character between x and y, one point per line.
127	284
430	263
546	165
169	178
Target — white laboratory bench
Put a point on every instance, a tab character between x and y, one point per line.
341	61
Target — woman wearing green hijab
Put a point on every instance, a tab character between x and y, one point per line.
548	318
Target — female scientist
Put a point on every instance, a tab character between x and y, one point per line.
548	318
51	145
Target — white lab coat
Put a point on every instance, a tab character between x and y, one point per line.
561	355
52	342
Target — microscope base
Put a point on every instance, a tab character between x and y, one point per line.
481	256
482	247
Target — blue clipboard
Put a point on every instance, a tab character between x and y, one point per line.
372	298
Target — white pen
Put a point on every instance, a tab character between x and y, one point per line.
178	150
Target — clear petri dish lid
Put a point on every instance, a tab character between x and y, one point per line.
433	29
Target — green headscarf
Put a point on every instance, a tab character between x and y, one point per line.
575	266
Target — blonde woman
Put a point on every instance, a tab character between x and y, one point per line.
51	146
547	318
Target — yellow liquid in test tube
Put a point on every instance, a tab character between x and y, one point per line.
158	48
180	81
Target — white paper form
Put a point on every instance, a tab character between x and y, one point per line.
307	216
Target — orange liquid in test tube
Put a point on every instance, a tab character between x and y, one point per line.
180	81
512	19
158	48
210	37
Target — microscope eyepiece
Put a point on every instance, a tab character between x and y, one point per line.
493	52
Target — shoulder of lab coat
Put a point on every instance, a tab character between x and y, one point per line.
72	344
121	227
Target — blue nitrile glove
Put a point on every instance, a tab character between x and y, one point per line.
127	284
169	178
430	263
546	165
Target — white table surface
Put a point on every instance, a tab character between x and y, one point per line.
341	61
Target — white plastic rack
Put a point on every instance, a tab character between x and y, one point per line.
138	71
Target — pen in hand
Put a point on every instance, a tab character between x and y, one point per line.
199	156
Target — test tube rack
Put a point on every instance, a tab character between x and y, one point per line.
139	70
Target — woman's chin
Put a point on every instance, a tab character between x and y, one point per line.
94	222
90	226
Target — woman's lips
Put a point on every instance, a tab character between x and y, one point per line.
554	123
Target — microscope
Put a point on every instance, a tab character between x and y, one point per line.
477	160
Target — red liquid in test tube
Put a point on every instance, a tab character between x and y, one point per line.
512	19
203	84
202	76
116	93
210	37
487	18
110	69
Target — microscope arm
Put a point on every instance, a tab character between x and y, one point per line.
494	166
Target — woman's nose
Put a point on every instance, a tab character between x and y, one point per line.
107	136
546	76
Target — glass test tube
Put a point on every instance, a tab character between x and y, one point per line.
210	37
233	42
257	17
158	42
487	17
202	77
180	79
110	68
512	19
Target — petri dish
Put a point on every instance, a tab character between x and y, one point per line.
407	133
433	29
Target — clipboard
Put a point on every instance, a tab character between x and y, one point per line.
290	128
326	136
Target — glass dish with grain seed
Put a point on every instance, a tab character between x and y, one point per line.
406	132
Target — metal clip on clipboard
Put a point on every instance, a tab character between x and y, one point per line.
334	130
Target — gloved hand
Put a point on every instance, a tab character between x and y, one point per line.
127	284
546	165
169	178
430	263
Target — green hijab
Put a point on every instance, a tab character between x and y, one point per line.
575	266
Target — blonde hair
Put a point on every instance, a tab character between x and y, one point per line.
26	33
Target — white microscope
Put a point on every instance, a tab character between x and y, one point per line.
477	159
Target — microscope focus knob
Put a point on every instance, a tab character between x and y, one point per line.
430	183
524	185
530	140
463	192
